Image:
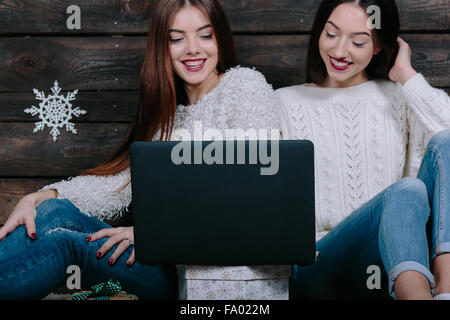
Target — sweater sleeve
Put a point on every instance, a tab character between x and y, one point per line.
255	104
428	111
98	196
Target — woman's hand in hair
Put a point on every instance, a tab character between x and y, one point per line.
402	70
124	236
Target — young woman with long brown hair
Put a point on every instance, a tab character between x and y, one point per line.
189	74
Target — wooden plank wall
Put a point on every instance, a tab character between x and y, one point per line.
102	61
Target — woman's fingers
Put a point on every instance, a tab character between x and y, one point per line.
23	214
132	259
108	232
111	242
6	229
116	236
121	248
403	45
402	70
30	225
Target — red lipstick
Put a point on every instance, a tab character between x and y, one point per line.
338	64
194	65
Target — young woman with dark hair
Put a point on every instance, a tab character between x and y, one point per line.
189	74
384	53
382	160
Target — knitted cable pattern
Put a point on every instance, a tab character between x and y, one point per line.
365	137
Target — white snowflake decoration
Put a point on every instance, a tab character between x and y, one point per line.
55	111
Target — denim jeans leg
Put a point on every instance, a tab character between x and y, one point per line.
42	268
340	271
435	173
402	234
369	237
51	214
39	267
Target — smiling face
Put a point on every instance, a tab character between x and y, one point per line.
193	48
347	46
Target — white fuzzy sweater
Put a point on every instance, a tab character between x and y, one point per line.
242	100
366	137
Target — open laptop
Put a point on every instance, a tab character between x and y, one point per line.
223	202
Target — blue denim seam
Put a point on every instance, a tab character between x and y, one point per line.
392	277
435	150
387	196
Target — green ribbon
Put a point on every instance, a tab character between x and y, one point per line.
100	291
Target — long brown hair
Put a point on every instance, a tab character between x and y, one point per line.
160	89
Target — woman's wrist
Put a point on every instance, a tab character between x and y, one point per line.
37	197
406	75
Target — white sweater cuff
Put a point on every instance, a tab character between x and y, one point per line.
427	103
417	82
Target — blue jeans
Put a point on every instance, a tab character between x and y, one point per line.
403	228
33	269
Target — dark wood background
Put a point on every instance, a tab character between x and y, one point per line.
103	60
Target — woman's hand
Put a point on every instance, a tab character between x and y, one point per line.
122	235
24	213
402	70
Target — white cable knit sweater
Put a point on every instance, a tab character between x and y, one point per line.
366	137
242	100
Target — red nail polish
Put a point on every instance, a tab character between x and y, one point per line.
33	236
129	264
88	239
99	254
110	261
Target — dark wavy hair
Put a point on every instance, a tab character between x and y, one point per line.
387	35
